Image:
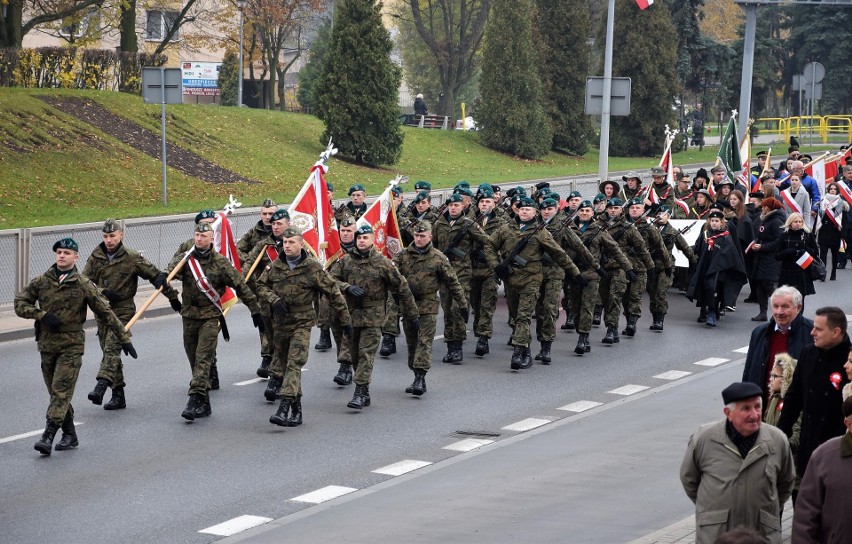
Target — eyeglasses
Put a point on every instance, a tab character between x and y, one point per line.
775	376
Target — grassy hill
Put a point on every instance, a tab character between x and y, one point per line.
57	169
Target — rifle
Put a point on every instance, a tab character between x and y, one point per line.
504	269
625	228
451	250
416	220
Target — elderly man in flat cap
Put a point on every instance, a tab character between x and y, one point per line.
737	471
57	300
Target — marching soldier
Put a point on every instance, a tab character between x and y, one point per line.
420	209
57	300
553	277
522	247
584	298
204	216
366	277
614	287
116	269
671	238
289	284
661	260
455	235
483	284
427	270
204	277
346	229
356	206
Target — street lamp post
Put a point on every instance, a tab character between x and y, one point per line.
241	4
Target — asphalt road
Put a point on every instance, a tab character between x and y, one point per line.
145	474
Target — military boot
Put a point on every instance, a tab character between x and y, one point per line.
544	354
45	444
344	374
204	409
69	434
324	342
419	385
657	325
388	345
280	417
97	394
569	322
117	401
295	418
214	376
615	338
263	369
596	316
272	387
360	399
196	401
609	338
448	358
630	328
458	355
583	344
526	359
481	346
517	358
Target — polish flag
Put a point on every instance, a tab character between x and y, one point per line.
226	245
381	215
744	177
805	260
643	4
311	212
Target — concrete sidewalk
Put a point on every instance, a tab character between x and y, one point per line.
683	532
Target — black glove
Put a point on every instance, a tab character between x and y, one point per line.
51	320
280	307
348	331
257	320
176	305
159	280
631	276
503	271
581	281
669	271
602	273
111	296
465	314
415	323
355	291
128	349
652	276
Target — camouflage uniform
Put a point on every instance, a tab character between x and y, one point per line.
259	232
483	284
292	332
613	288
201	316
61	347
660	260
119	274
350	209
344	357
266	249
659	299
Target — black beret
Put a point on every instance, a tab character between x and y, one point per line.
66	243
741	390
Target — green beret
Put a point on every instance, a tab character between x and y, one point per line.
357	187
636	202
464	191
614	201
585	204
329	186
486	193
364	229
421	196
454	198
67	243
485	186
280	214
462	183
423	185
600	197
396	190
664	209
520	190
548	203
203	227
205	214
657	171
423	226
554	196
268	203
111	225
291	231
526	202
544	191
574	194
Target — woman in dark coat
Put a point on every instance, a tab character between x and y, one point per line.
832	209
765	268
796	240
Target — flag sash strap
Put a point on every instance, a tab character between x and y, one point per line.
787	196
204	284
844	191
750	246
271	253
829	213
711	240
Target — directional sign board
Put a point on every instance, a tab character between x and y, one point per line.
152	85
620	96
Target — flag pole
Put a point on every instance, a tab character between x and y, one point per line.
156	293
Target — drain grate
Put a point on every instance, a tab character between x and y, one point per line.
475	434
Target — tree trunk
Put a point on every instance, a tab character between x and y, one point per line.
127	26
11	31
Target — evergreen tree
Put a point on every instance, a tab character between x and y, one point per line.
357	91
644	49
510	113
229	76
310	73
563	69
685	16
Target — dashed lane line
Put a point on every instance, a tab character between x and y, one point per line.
628	390
402	467
580	406
468	444
741	350
673	375
711	361
526	424
324	494
236	525
28	435
251	381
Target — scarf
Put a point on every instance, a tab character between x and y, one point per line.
744	444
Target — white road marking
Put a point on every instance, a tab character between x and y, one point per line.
324	494
580	406
402	467
251	381
526	424
236	525
628	389
439	337
741	350
711	361
29	434
673	375
468	444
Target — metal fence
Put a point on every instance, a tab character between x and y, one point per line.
29	251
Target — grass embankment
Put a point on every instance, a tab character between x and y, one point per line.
56	169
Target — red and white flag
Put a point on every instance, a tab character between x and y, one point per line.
312	213
381	215
805	260
744	176
226	245
643	4
845	191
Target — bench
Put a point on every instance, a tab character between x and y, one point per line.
428	121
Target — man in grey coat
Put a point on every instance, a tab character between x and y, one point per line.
737	471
